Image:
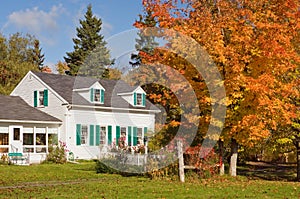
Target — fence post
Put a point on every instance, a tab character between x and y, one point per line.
181	162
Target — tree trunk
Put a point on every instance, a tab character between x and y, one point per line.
298	159
221	153
233	158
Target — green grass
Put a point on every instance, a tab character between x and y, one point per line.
81	181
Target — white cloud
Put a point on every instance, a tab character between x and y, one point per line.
36	20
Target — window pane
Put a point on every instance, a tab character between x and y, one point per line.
3	150
28	149
40	149
52	139
84	134
41	98
28	138
122	139
40	139
139	99
97	95
3	138
102	135
16	133
140	135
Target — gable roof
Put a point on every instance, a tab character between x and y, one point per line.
64	85
15	108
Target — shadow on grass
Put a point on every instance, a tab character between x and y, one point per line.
268	171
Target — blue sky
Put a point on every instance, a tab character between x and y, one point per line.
54	22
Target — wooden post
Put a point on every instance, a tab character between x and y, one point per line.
181	162
221	156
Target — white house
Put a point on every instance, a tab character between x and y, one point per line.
92	112
24	129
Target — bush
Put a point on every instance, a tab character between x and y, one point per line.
118	165
57	154
206	166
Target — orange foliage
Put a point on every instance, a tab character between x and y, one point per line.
251	44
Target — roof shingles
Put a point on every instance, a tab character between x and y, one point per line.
15	108
64	85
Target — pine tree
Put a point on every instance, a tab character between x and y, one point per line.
145	43
38	57
90	55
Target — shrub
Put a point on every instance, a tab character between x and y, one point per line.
206	166
118	165
57	154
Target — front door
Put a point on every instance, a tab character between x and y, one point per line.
16	139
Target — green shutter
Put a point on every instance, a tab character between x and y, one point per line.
109	135
134	99
134	136
35	98
78	134
102	96
144	99
45	97
92	94
92	135
118	134
129	136
97	135
145	131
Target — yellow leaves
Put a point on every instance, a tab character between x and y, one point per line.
174	123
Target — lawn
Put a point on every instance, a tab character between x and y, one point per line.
81	181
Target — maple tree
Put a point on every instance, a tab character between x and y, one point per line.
251	44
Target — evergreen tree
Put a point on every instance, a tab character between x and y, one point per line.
145	43
38	57
90	55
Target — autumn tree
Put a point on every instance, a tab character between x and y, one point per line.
62	67
250	43
17	57
90	55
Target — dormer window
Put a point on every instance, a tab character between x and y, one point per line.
97	95
139	99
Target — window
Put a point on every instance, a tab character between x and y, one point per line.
103	135
40	139
84	134
138	99
97	95
16	133
52	139
41	98
122	139
3	138
28	139
140	136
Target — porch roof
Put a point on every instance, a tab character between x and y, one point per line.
14	108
